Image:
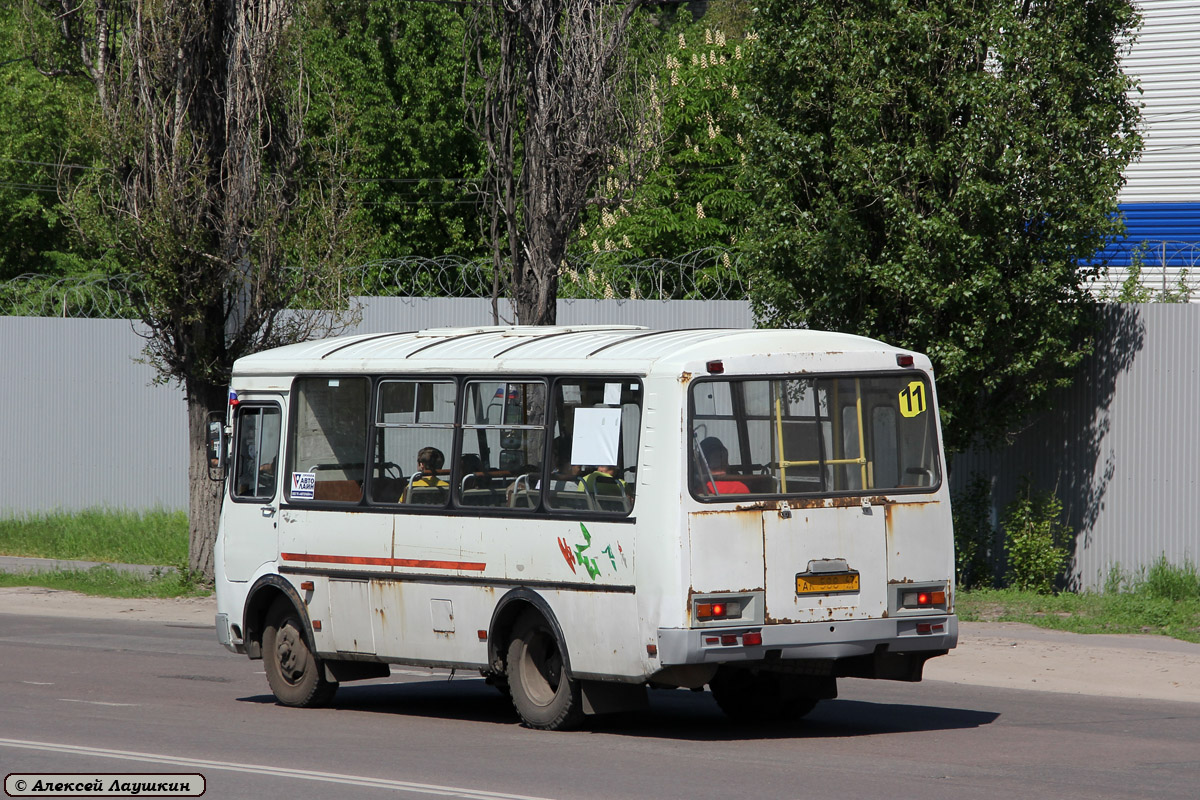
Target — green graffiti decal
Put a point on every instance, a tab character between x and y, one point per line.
593	569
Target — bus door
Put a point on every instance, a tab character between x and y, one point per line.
251	512
796	445
852	447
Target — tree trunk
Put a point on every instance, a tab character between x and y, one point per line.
204	495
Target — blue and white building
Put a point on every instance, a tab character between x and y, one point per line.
1161	198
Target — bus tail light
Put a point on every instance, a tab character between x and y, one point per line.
923	598
727	610
752	638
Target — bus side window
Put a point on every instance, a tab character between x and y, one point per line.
414	437
328	440
503	444
598	423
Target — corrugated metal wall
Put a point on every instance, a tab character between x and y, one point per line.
1121	447
85	427
1166	62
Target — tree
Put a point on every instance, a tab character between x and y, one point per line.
548	96
933	174
202	188
399	66
691	198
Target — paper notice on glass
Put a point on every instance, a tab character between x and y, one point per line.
612	394
596	437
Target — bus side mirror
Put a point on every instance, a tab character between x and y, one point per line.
216	447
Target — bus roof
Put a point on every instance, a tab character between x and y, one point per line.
570	348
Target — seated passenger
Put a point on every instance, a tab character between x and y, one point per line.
566	475
429	461
716	458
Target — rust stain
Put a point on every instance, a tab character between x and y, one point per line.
755	508
685	378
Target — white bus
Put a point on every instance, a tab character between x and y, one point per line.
580	513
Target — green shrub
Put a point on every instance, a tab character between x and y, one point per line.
973	535
1034	539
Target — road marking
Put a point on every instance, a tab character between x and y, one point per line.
94	702
263	769
38	683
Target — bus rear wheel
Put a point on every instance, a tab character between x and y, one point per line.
760	696
544	694
295	674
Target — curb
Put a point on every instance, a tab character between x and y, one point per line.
21	564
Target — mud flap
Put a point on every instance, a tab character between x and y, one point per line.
607	697
343	671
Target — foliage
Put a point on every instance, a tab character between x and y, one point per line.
394	70
43	123
1162	600
973	534
692	198
1034	540
1133	290
932	173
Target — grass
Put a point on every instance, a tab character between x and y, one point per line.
1162	599
106	582
154	537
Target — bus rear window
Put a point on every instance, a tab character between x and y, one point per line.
822	435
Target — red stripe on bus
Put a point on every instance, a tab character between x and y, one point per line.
420	563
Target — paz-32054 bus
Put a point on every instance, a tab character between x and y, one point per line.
584	512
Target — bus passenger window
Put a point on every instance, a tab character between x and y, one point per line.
414	436
503	444
327	444
596	424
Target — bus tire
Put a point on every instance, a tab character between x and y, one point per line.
543	692
295	674
759	696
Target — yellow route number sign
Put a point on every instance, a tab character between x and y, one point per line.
912	399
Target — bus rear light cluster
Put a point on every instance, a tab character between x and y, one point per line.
923	598
709	611
747	639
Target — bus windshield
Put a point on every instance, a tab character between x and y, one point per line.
812	435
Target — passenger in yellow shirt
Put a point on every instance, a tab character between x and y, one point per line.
429	461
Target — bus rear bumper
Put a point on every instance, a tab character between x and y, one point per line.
809	641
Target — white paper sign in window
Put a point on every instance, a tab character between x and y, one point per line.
612	394
596	437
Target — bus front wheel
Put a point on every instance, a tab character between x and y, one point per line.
295	674
544	694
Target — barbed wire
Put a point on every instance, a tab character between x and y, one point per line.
711	274
1162	269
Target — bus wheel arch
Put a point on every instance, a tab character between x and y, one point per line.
259	600
508	610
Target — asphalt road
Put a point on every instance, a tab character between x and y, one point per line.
82	696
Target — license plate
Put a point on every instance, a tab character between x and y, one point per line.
827	583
